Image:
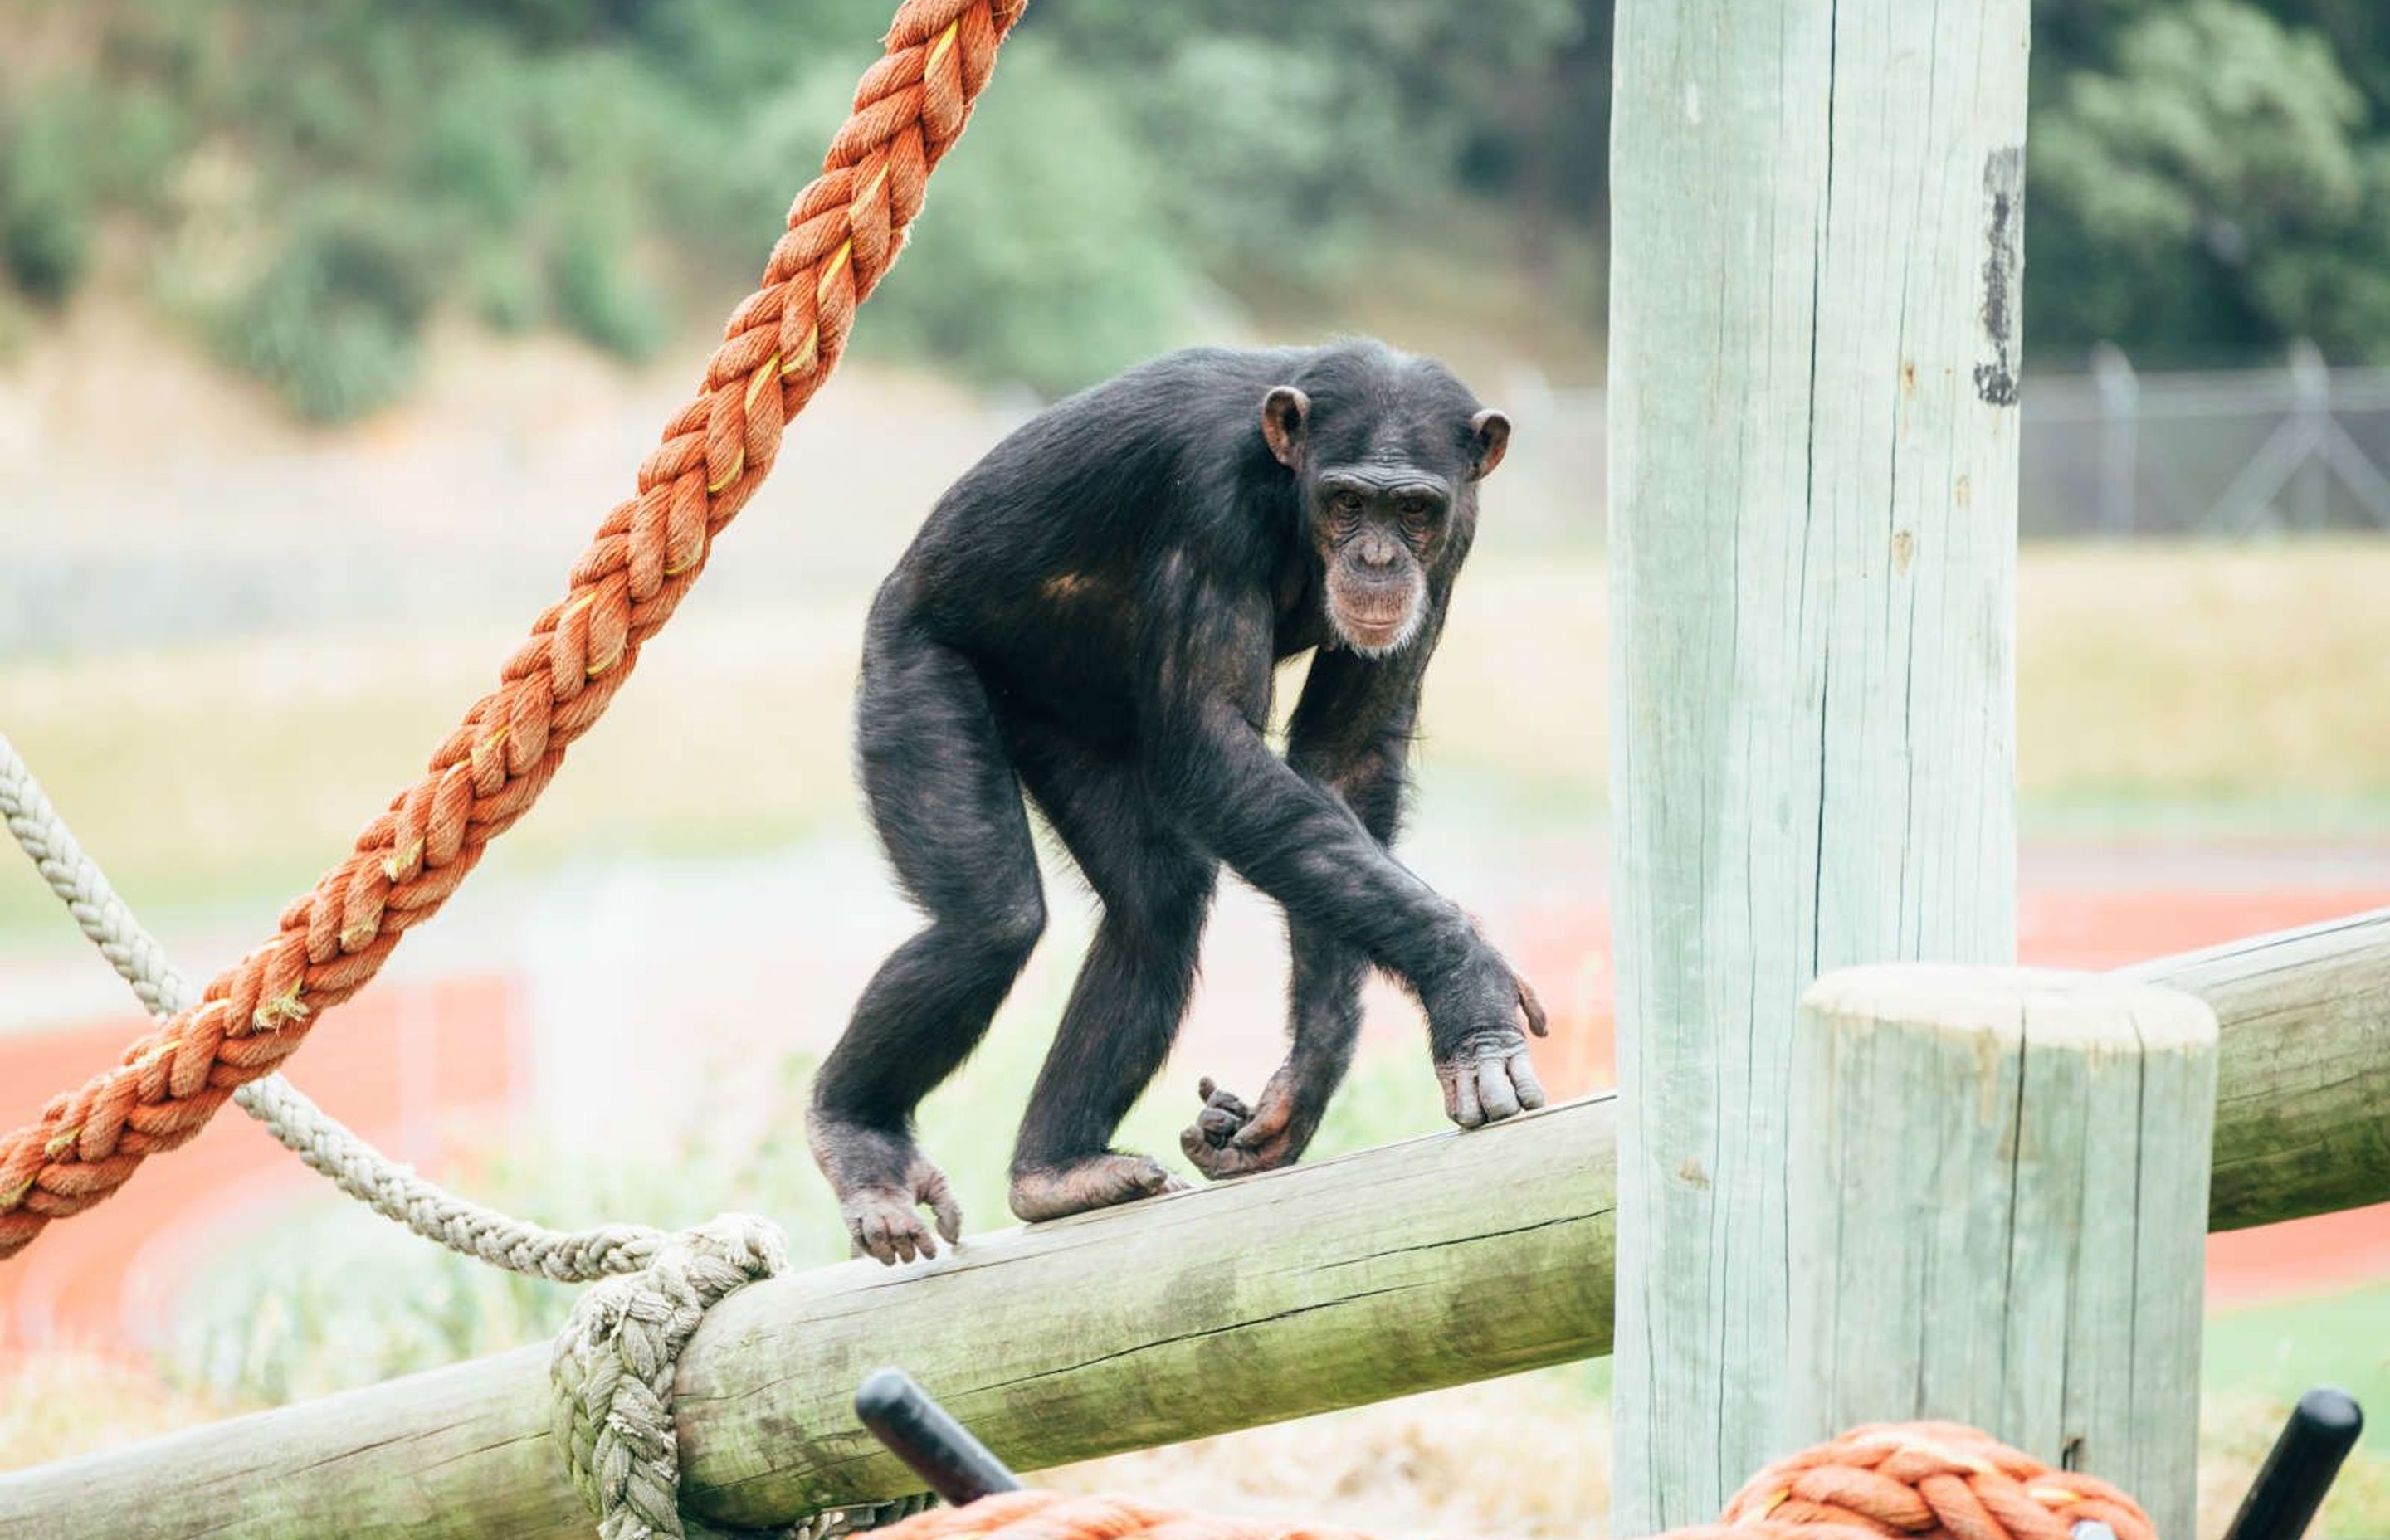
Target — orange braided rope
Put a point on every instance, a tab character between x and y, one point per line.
1934	1480
781	343
1915	1481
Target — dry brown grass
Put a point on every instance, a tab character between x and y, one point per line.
1527	1457
2247	685
2196	673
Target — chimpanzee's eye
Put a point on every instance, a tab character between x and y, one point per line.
1349	504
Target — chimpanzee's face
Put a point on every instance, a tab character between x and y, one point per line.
1390	496
1379	528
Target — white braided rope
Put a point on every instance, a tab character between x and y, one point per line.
389	1187
614	1360
613	1368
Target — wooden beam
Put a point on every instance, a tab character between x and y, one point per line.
2000	1174
1815	270
1421	1264
2303	1082
1427	1264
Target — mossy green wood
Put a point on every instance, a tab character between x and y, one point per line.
2302	1090
1426	1264
1816	259
1999	1179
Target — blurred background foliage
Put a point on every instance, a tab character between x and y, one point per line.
306	186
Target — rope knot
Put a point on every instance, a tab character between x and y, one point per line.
614	1361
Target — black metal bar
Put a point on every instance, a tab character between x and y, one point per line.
927	1438
2300	1470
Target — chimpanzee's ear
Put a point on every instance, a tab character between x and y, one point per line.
1493	435
1282	415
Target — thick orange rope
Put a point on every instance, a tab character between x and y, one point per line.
1915	1481
1934	1480
780	344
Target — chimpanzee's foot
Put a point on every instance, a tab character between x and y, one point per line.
1097	1182
1229	1140
882	1180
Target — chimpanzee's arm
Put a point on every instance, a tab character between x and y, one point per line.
1351	735
1209	676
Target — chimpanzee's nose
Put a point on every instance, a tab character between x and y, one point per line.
1376	551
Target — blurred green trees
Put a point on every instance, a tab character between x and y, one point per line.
2209	179
307	186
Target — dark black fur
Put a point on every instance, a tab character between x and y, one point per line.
1093	613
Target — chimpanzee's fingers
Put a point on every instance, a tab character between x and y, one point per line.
1204	1088
1460	1102
1523	1076
1538	1022
1493	1093
1194	1145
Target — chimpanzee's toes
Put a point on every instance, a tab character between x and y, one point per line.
885	1222
1224	1114
1230	1139
1098	1182
882	1179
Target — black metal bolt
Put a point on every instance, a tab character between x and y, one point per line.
2300	1470
923	1434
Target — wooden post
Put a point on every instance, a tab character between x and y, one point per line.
1999	1203
1815	255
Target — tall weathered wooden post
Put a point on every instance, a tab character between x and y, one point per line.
1816	228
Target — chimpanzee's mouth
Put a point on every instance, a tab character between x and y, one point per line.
1375	623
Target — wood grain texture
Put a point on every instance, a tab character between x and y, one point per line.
1814	274
1427	1264
2303	1095
1999	1179
1453	1258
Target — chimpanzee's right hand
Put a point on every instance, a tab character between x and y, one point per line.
1485	1067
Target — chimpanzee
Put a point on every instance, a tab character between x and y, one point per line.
1094	613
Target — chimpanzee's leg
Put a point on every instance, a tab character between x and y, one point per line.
947	807
1130	992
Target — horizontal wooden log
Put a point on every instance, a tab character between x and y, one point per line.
2302	1068
1426	1264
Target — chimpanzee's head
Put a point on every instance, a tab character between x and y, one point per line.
1387	451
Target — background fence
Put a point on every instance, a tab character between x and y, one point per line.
2112	452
